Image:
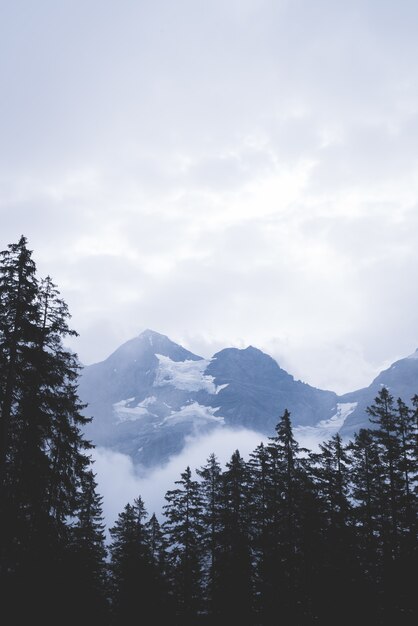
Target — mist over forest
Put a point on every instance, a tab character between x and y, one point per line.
285	533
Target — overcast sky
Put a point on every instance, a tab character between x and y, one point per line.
226	172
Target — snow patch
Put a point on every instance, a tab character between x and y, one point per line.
194	412
149	400
125	413
311	436
414	355
186	375
123	402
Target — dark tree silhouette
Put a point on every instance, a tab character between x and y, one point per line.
290	537
211	495
131	562
43	454
183	530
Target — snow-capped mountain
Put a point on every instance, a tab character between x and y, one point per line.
151	394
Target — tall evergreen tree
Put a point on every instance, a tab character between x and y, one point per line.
333	480
86	573
158	544
18	322
235	564
183	529
338	560
131	562
159	600
405	423
365	492
18	318
43	454
392	434
414	438
383	414
260	526
211	495
290	488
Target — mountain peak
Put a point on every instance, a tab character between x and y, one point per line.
151	394
151	334
252	349
146	345
247	362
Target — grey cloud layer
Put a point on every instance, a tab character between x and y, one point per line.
226	173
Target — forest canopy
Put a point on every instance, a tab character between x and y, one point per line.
289	536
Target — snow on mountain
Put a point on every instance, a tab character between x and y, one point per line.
311	436
151	395
195	413
128	410
187	375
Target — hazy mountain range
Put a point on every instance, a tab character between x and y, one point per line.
151	395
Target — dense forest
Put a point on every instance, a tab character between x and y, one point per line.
288	537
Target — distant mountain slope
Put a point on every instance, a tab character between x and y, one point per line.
151	394
129	399
401	379
257	391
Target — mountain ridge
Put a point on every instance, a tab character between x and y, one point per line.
151	394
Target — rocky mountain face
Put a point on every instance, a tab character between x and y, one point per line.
151	395
401	379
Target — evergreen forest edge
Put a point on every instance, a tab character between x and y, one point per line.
288	537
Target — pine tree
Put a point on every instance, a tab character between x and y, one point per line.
158	544
409	554
43	454
338	561
383	414
18	319
414	439
413	453
183	530
85	563
366	493
131	562
260	528
235	565
405	426
333	478
289	489
211	494
394	436
159	599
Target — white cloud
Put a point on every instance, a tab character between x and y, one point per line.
119	481
243	174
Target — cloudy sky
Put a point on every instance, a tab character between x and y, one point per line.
224	172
